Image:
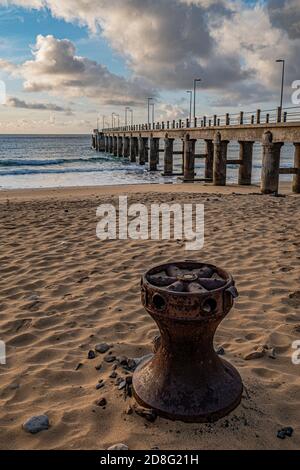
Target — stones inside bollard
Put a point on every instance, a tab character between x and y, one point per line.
186	379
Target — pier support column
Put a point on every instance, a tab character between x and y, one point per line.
94	141
142	150
168	156
115	145
154	153
133	149
126	147
106	144
220	158
120	146
296	180
101	142
209	161
111	144
189	159
270	164
246	156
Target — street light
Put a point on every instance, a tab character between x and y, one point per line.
113	119
126	109
131	112
195	83
153	105
191	97
282	61
149	99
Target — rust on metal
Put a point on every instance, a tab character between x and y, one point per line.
185	379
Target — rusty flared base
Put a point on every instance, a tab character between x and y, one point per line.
207	398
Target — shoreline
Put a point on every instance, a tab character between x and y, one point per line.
87	191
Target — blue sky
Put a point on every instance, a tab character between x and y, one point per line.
153	48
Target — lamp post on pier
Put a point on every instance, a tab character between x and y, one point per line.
126	111
149	101
196	80
282	61
191	97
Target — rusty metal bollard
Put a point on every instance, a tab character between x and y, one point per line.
186	379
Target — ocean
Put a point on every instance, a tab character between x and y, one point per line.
47	161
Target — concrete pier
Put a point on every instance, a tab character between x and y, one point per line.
189	159
134	148
168	156
220	160
209	162
216	132
246	157
270	164
296	180
126	147
142	150
154	153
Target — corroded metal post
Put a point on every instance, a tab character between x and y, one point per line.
168	156
126	147
220	157
189	159
246	157
154	153
296	180
270	164
209	161
133	149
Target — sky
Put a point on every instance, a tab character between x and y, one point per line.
66	64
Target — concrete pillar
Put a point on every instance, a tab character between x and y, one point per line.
120	146
189	159
296	180
154	153
270	164
111	144
246	155
106	144
220	158
93	141
168	156
209	161
125	147
133	149
142	150
115	145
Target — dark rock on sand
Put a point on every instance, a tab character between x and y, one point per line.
149	415
36	424
220	351
102	348
102	402
91	354
109	358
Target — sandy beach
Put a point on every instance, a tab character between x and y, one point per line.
63	291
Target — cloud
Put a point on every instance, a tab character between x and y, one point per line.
17	103
57	69
285	14
232	45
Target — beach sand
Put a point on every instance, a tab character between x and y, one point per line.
62	291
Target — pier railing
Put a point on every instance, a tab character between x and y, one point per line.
268	116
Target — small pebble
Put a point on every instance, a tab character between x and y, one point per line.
272	354
149	415
118	447
100	385
109	358
36	424
113	375
260	352
98	367
102	348
101	402
122	385
78	366
220	351
91	354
